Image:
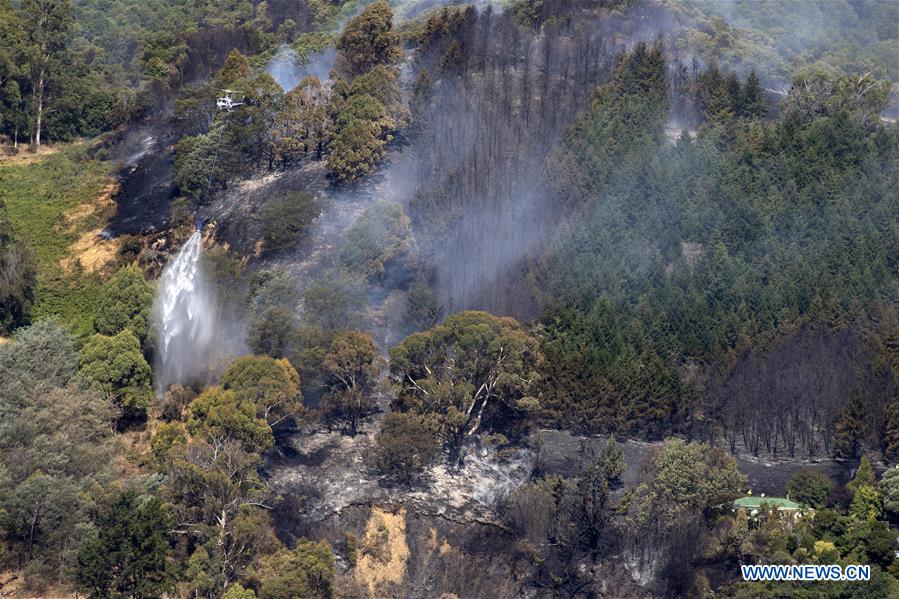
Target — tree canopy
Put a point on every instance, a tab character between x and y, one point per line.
369	40
116	367
221	414
352	366
272	385
307	570
128	555
473	370
126	302
380	234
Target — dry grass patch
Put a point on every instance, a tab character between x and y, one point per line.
25	155
12	584
92	251
383	553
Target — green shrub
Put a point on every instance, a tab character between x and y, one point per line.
272	385
422	308
381	233
406	446
810	487
304	572
336	302
18	279
286	221
116	367
126	302
128	555
38	195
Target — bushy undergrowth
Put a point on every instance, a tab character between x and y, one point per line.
42	196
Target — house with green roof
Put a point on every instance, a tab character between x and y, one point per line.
753	504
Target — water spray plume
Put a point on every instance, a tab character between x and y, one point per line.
185	319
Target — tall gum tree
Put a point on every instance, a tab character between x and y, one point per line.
47	24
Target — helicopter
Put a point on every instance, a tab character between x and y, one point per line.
226	102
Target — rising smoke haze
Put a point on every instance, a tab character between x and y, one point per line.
288	69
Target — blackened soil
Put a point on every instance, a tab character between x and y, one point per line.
146	184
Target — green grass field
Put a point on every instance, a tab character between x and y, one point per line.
38	193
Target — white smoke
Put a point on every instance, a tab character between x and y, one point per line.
410	9
288	70
185	320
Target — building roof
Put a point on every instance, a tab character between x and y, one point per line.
756	501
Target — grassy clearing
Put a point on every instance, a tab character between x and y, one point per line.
53	200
